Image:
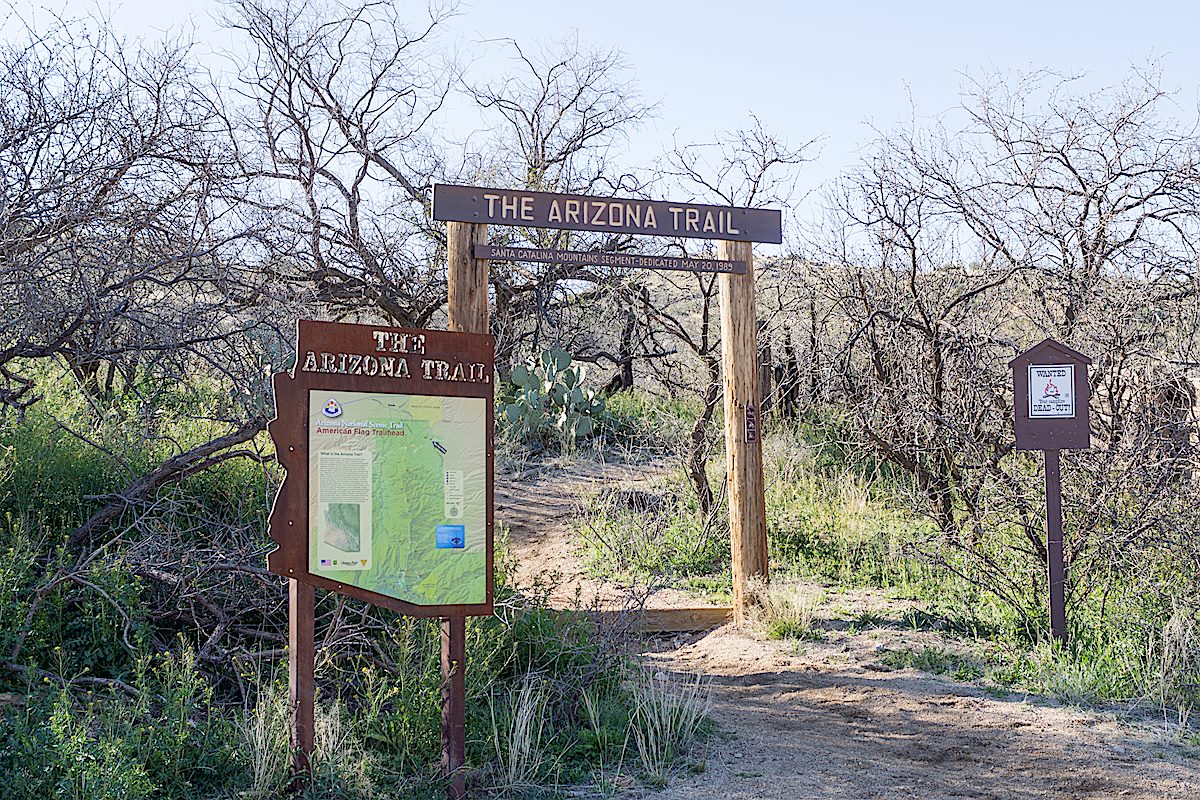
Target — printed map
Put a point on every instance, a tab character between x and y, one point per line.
398	494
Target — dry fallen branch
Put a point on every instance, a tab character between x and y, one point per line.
172	470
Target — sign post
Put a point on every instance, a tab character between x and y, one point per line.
301	665
743	446
469	209
467	311
1050	413
385	435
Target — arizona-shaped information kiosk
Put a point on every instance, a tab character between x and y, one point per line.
386	436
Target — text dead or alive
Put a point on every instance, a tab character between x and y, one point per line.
385	365
518	208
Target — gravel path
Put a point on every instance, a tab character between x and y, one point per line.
829	719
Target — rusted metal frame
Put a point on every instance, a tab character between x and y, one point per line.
289	528
289	517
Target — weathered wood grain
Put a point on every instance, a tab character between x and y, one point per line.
739	355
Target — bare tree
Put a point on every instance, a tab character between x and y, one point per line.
752	168
119	232
923	367
1077	188
559	116
683	311
950	251
342	99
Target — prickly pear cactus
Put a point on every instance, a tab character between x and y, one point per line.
551	403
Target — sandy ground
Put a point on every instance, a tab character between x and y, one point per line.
829	719
832	722
538	506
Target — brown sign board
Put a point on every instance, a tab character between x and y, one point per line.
575	212
616	260
386	436
1050	398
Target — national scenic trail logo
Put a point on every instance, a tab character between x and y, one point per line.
332	408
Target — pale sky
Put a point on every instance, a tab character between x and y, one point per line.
807	70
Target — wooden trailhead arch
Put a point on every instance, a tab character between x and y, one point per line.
468	210
364	401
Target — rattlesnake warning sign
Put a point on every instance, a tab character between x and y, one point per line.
1052	391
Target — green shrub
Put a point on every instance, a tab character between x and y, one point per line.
170	743
655	533
650	425
87	620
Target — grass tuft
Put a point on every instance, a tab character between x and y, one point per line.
669	714
521	738
788	613
936	660
264	734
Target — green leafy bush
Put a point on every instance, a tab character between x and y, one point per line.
169	743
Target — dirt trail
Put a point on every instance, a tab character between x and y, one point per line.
538	507
833	722
828	719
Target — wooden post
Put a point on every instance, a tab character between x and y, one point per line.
466	278
467	309
454	705
739	355
301	665
1054	548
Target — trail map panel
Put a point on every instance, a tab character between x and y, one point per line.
397	494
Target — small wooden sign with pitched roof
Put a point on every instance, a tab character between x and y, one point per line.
1050	398
1050	413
